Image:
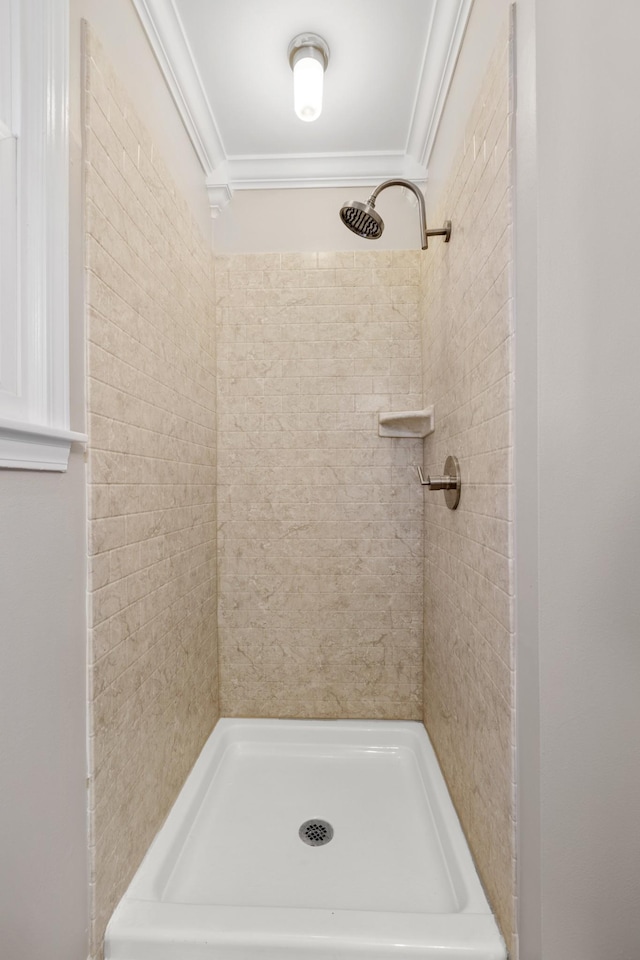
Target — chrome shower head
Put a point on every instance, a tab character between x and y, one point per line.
362	219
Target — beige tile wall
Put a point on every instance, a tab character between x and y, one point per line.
320	519
469	584
152	395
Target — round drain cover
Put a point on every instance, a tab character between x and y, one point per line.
316	832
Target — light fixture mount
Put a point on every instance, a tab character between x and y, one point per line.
308	58
308	45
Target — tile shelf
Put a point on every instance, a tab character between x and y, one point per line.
410	424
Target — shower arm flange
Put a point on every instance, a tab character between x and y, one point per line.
442	232
424	233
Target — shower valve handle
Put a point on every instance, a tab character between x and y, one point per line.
438	483
450	482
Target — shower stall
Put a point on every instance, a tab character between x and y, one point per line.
260	550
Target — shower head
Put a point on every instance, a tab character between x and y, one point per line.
362	218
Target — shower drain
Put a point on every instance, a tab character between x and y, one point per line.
316	832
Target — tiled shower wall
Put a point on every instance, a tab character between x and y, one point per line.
469	582
152	580
320	519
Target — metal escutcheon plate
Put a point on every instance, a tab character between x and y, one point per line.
452	469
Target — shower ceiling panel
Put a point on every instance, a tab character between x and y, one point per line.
226	64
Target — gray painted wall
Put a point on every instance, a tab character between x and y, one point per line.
579	602
43	881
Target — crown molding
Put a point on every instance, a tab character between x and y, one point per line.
288	171
219	194
224	174
450	18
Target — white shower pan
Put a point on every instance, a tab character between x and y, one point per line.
228	876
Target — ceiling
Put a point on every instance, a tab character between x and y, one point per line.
225	62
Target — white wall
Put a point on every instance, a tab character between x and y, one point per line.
301	221
118	28
586	549
486	20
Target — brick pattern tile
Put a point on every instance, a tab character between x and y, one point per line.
151	499
469	579
319	518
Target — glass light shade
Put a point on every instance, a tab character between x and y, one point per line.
308	77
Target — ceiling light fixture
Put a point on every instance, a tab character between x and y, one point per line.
308	57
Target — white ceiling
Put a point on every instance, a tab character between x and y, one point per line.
226	64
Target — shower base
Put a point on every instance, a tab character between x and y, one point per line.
324	840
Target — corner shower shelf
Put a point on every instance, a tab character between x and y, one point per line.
411	424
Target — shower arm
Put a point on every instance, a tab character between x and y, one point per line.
424	233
